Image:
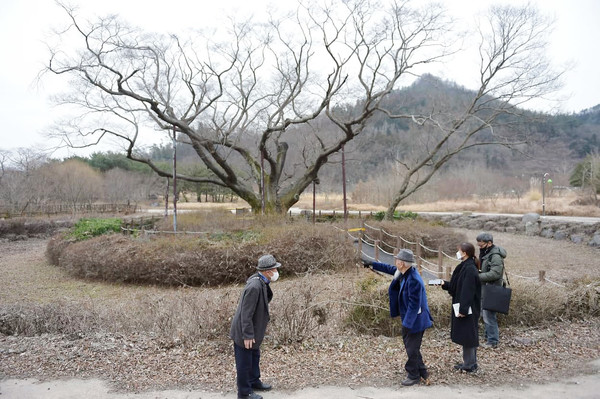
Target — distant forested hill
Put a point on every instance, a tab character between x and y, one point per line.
555	143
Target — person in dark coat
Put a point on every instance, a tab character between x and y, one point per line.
409	301
249	325
491	258
465	289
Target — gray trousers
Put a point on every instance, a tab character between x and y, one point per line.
469	358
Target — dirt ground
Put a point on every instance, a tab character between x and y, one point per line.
559	360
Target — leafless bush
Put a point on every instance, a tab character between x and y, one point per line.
193	261
370	312
532	304
183	316
55	247
298	313
30	227
61	317
12	227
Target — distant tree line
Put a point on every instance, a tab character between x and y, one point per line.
30	180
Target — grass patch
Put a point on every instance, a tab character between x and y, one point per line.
88	228
379	216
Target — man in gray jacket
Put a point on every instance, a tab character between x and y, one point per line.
249	325
491	258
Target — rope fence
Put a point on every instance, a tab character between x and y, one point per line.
140	225
444	271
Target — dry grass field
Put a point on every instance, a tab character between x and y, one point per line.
562	204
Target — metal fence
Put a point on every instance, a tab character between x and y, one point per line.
58	209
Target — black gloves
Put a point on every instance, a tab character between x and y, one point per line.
366	262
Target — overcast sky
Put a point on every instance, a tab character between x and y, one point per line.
25	110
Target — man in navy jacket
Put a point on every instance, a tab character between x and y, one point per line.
409	301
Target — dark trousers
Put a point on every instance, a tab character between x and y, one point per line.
469	358
247	367
414	365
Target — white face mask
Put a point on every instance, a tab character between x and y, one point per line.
275	276
459	255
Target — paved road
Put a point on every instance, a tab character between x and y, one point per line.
582	387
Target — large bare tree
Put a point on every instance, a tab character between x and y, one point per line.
269	103
246	101
513	70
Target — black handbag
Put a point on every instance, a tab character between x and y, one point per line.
496	297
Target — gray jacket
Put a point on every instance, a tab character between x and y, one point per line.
252	314
492	266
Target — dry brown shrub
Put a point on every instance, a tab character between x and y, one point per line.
181	316
300	311
532	304
56	246
193	261
31	227
370	313
175	318
60	317
12	227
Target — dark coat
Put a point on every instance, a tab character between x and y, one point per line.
407	298
465	289
252	314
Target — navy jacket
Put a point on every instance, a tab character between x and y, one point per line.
407	298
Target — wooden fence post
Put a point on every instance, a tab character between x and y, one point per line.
447	272
440	261
376	250
419	256
542	276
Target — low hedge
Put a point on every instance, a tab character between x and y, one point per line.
193	261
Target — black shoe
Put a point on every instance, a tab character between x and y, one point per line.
261	386
409	381
471	370
253	395
458	366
